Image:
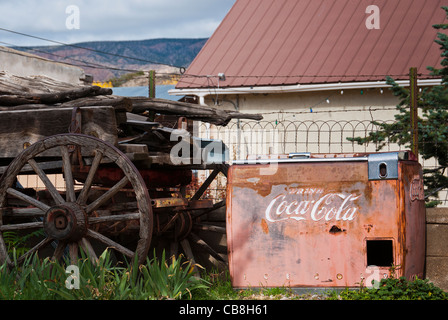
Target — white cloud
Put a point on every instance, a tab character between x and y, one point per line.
111	19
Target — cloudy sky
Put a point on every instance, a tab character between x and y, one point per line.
71	21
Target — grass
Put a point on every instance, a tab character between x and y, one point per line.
171	278
220	288
391	288
43	279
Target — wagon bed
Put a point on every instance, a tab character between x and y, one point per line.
122	189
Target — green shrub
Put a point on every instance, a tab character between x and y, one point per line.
397	289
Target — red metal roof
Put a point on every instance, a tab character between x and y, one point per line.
284	42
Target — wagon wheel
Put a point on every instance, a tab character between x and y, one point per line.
71	221
205	241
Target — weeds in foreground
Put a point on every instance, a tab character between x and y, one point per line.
173	278
395	289
38	279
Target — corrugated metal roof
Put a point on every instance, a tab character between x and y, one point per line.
284	42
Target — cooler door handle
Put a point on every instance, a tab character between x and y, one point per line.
300	155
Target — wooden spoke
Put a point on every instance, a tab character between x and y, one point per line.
68	176
73	252
207	227
87	247
34	249
21	226
59	251
110	243
48	184
195	239
108	195
82	198
189	254
22	212
174	248
27	199
66	221
115	218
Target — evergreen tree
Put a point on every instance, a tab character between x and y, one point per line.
432	122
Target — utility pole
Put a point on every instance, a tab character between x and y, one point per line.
152	84
152	91
413	95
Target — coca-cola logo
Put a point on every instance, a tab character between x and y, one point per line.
312	204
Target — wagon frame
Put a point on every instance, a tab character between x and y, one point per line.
122	189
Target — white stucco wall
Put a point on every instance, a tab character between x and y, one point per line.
24	64
365	104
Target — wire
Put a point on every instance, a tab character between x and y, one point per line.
85	64
89	49
186	75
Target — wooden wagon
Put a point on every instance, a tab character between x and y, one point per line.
123	186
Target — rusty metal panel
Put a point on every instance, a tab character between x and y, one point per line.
321	224
415	219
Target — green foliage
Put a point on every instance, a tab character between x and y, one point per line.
173	278
38	279
396	289
171	281
432	122
34	280
17	242
220	287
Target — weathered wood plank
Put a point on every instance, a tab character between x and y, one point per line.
13	84
20	128
119	103
189	110
52	98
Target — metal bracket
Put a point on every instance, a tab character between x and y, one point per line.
212	151
75	123
383	166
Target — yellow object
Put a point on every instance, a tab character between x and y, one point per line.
107	84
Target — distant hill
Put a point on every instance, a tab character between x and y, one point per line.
173	52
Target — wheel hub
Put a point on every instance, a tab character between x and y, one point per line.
65	222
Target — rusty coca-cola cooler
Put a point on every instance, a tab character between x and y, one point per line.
325	220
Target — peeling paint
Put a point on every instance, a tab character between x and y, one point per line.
312	221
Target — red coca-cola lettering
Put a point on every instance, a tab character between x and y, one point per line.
318	206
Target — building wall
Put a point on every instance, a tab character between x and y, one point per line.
24	64
316	122
319	105
436	246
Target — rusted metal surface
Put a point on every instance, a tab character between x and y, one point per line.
169	202
322	222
